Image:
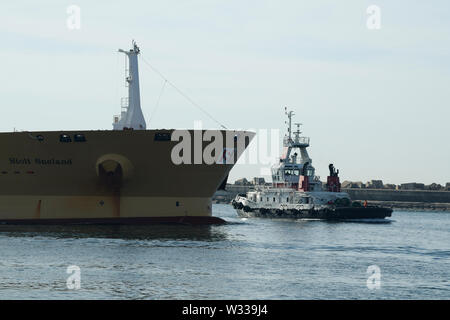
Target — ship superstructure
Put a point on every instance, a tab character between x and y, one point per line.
131	116
294	161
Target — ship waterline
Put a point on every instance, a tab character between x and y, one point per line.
105	176
108	209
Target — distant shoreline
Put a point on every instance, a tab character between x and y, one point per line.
413	206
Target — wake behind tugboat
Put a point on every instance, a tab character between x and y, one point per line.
296	191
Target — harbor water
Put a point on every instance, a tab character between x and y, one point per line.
243	259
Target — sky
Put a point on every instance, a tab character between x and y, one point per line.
375	102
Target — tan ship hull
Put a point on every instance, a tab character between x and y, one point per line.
111	177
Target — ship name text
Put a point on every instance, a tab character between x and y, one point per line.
39	161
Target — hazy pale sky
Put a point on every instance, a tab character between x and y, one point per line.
374	102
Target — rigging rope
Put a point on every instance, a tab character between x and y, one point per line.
157	102
182	93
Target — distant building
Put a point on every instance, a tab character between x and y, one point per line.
359	184
242	182
412	186
353	185
258	181
447	186
434	187
374	184
390	186
346	184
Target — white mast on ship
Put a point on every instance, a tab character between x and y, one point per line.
131	116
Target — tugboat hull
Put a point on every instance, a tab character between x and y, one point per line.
342	213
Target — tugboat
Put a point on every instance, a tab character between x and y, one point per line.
296	191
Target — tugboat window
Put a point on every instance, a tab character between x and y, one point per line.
79	138
65	138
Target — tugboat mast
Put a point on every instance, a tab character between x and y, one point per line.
295	160
289	123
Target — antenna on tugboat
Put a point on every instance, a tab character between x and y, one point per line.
289	114
298	124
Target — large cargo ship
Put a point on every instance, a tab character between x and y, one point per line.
124	175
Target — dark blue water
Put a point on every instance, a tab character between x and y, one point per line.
245	259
